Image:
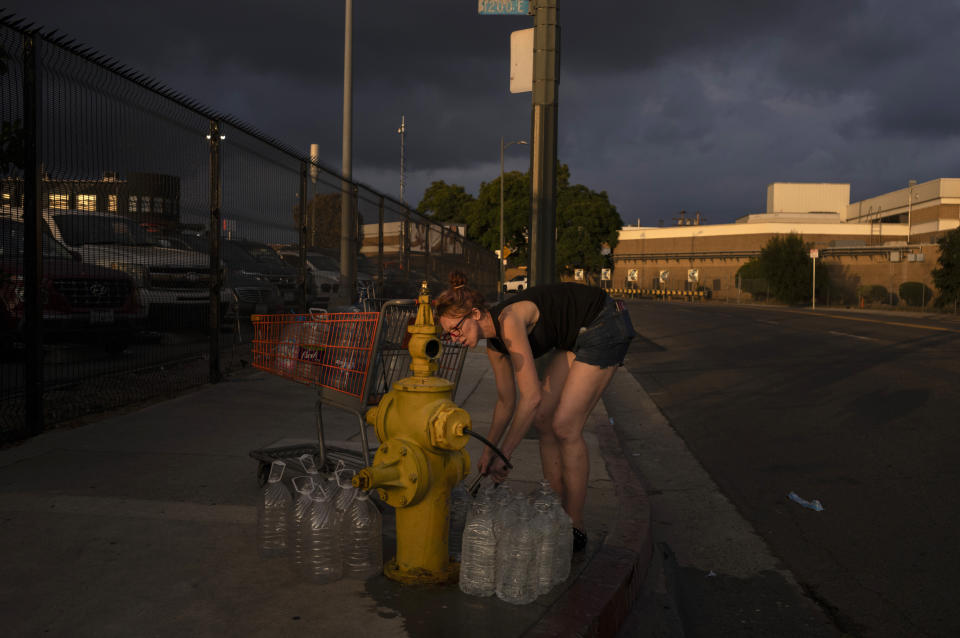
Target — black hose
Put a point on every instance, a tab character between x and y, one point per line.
492	447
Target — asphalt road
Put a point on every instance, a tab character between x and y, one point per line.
856	409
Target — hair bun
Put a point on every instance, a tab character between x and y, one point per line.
457	280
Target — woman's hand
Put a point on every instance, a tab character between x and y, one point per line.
483	465
498	470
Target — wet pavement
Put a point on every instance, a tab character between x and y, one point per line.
143	523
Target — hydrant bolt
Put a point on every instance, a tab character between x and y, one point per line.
413	478
403	451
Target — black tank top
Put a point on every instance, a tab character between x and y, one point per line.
564	309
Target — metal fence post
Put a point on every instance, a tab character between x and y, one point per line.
405	246
32	256
428	233
380	249
215	271
302	222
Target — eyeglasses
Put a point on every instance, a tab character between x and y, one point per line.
454	332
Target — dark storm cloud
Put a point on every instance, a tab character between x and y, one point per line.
666	106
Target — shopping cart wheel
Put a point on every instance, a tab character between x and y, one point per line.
263	473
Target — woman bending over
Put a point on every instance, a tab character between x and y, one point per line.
591	333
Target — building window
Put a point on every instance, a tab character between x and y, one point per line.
112	203
58	201
132	206
716	284
158	205
144	204
86	202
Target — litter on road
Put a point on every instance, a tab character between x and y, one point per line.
814	505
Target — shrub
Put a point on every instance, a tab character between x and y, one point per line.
873	294
915	293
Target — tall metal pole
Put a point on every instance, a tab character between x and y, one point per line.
347	258
500	256
502	247
302	275
813	293
32	259
543	138
403	179
215	271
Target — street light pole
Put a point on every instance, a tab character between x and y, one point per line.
500	257
347	256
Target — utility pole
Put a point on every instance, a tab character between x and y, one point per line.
403	178
543	143
502	256
347	256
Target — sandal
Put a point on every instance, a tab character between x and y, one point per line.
579	540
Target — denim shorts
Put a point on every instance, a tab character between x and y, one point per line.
605	341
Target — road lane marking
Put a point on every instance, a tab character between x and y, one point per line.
847	334
885	323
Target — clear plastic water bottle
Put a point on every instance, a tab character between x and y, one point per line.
361	538
517	553
287	350
459	505
563	554
322	559
346	492
272	514
299	521
502	497
478	563
545	521
331	487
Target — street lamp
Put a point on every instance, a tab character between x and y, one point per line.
502	147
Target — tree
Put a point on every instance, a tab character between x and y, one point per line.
585	218
484	217
785	264
444	202
946	276
751	279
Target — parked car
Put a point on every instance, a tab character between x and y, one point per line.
246	258
169	280
80	302
249	292
324	276
515	284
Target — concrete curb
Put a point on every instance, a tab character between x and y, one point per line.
601	598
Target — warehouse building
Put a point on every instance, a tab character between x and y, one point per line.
882	241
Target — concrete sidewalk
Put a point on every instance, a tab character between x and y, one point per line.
143	523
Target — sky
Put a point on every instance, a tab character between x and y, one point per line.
693	106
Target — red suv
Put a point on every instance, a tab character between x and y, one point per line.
80	301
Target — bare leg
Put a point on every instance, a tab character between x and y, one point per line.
551	390
581	391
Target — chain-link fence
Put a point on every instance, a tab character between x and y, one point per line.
139	231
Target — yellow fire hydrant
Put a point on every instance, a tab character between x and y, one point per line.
420	458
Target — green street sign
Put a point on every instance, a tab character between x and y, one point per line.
503	7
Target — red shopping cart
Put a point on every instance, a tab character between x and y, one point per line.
352	358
